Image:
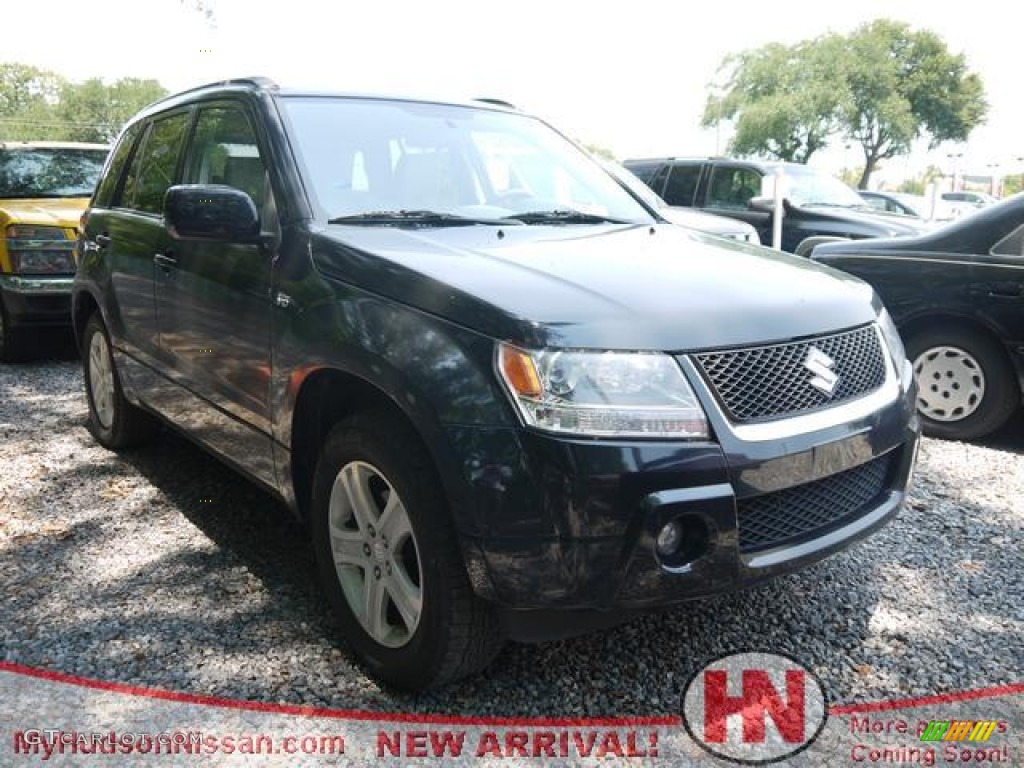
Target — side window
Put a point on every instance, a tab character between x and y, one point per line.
657	182
682	185
643	171
732	188
1011	245
154	167
224	151
115	166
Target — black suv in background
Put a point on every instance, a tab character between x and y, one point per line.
507	398
816	204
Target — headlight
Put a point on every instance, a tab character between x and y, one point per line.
897	352
39	250
602	394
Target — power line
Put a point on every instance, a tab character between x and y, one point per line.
11	121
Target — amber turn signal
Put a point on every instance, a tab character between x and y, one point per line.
519	371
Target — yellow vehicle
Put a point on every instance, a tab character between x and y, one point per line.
44	188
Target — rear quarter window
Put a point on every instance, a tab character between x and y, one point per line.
115	166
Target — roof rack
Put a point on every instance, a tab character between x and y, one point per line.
497	102
256	81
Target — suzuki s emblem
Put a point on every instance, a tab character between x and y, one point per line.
825	380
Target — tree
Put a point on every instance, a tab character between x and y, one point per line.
95	112
783	99
598	150
1013	184
882	86
902	85
919	185
27	99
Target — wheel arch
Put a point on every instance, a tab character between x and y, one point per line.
327	395
939	318
83	305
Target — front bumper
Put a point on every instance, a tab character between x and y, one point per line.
569	526
40	301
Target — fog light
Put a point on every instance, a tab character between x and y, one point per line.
669	538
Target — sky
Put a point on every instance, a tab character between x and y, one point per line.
629	76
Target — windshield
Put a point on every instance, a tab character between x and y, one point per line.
807	187
367	156
34	172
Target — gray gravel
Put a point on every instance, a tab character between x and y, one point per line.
162	568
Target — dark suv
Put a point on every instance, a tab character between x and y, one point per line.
816	204
507	398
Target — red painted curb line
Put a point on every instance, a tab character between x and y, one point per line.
398	717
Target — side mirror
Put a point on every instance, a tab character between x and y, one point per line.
211	212
762	204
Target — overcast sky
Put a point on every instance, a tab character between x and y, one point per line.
630	76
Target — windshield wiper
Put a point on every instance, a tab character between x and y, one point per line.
417	218
563	216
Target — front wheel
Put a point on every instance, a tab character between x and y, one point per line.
388	558
965	385
12	348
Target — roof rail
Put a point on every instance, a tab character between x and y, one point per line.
496	102
256	81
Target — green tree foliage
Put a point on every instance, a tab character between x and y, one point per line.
93	111
902	85
782	99
598	150
39	105
919	184
1013	184
27	99
881	87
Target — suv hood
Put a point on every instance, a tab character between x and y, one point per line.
56	212
706	222
609	287
883	224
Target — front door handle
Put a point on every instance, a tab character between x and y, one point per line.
165	261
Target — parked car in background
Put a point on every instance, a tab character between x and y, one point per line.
708	223
508	400
815	203
893	202
918	206
44	188
957	296
976	199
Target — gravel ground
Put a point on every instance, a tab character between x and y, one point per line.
163	568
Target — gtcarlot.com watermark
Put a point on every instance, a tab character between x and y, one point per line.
46	742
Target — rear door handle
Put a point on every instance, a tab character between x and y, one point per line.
165	261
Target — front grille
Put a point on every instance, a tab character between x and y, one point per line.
804	510
770	382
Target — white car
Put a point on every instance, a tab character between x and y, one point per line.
708	223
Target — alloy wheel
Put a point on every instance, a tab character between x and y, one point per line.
101	380
375	553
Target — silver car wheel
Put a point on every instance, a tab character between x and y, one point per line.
375	554
950	383
101	380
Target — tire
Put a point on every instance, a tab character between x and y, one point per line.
113	421
429	627
12	346
966	386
